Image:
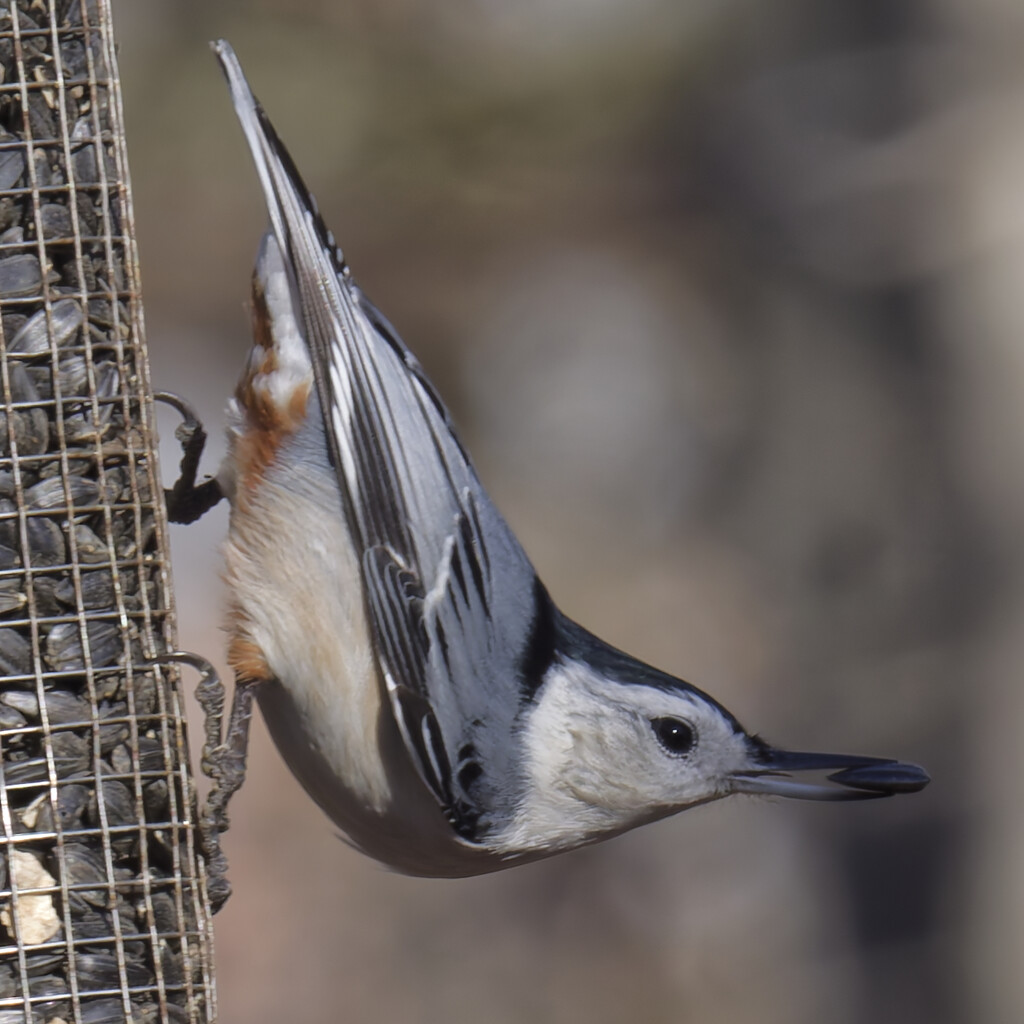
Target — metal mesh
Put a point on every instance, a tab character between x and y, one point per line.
103	911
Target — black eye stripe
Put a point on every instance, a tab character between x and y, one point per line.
676	736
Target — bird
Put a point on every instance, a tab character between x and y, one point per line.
412	668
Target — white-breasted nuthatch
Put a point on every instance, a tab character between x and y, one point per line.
410	665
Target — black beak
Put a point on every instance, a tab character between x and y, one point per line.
850	777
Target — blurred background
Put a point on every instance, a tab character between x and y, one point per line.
725	296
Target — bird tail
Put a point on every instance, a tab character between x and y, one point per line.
301	286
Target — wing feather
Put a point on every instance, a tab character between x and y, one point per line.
452	597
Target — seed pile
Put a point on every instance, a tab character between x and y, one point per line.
101	913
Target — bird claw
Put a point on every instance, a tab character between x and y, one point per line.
187	501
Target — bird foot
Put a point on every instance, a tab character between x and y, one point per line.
187	501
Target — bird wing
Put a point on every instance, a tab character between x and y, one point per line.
462	624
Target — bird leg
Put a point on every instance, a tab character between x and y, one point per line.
223	761
186	501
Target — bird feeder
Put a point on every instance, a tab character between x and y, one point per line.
104	916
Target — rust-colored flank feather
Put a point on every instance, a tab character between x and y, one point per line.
244	656
268	420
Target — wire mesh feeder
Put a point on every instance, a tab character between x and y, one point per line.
103	910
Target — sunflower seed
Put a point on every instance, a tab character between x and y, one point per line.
154	800
103	1011
82	867
72	799
48	495
30	429
12	162
46	605
162	912
73	377
24	701
20	275
100	970
38	965
42	333
50	985
15	653
118	806
11	719
97	590
64	649
90	548
56	221
12	596
22	387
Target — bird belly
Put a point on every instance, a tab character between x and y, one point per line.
299	629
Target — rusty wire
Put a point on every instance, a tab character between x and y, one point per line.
103	910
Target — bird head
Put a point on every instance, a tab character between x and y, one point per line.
612	743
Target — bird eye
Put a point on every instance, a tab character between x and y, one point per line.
674	735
